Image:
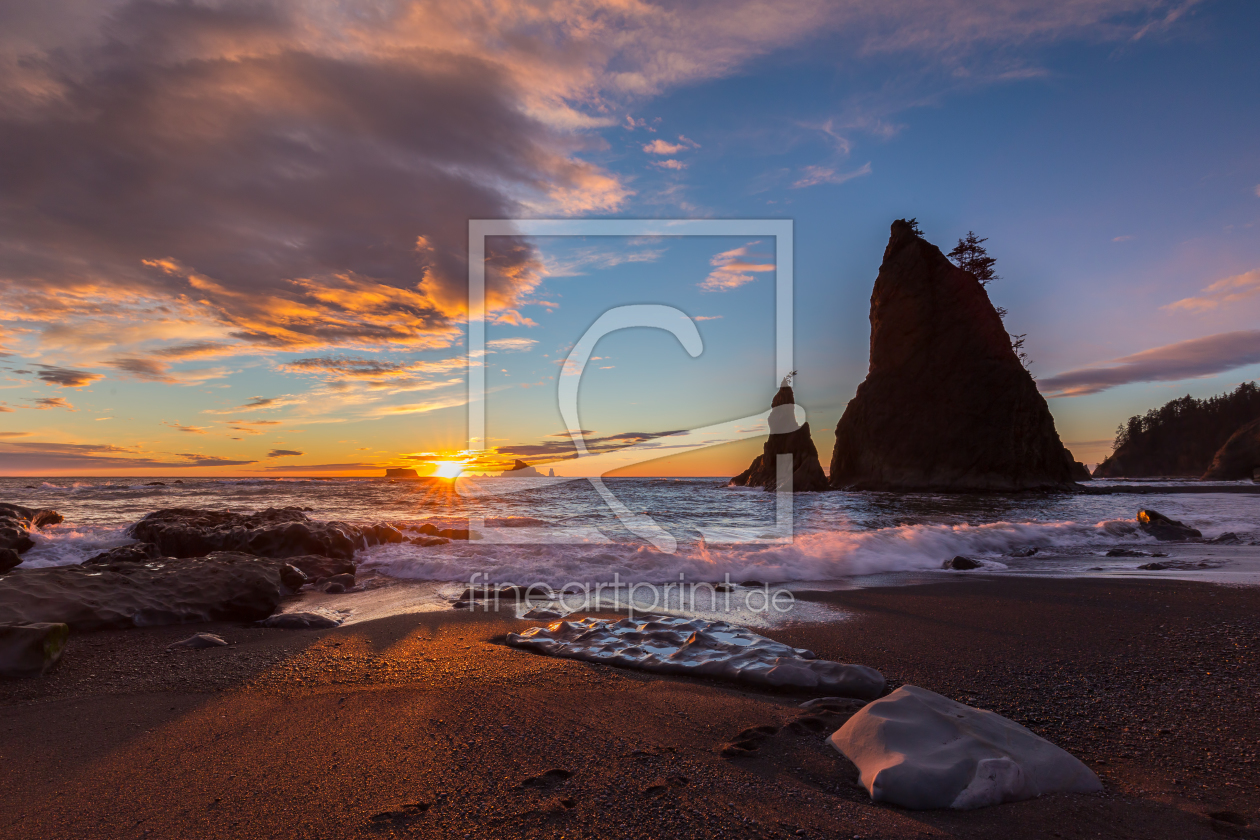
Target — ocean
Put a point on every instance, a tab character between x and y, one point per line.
561	532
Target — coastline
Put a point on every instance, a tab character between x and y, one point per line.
429	720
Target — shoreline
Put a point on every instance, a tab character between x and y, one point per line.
428	719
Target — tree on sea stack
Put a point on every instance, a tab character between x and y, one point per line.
946	404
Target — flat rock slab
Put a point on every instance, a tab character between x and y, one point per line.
917	749
200	641
308	620
699	648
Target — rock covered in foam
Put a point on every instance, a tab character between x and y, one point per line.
917	749
222	586
275	532
695	647
30	649
16	523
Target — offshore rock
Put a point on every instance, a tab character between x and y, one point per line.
946	404
16	523
275	532
218	587
786	438
1164	529
1239	457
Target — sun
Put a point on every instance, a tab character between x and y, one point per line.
448	469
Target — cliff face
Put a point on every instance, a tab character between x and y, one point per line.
786	438
946	404
1239	457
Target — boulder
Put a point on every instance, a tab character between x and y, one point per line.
1239	457
9	559
30	649
960	563
140	552
275	532
309	620
917	749
316	566
222	586
1164	529
16	523
786	438
946	404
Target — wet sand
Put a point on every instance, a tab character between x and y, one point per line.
426	725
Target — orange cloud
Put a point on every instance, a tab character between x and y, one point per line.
731	271
1229	290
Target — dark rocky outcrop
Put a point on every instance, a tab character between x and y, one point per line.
1239	457
1080	472
1164	529
786	438
1180	437
8	559
16	523
31	649
960	563
218	587
135	553
275	532
946	405
400	472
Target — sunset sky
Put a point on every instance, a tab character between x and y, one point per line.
233	235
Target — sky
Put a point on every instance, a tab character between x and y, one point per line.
234	235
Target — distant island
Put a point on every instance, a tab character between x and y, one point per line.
520	469
400	472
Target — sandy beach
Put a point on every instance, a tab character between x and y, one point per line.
427	725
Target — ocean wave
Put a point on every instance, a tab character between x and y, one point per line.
827	555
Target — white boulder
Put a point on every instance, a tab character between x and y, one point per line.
695	647
917	749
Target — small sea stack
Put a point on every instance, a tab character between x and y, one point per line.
786	438
946	405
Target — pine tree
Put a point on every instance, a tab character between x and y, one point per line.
969	255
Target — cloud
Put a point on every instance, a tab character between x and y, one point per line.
283	453
1189	359
354	467
44	403
669	164
1229	290
579	261
814	175
664	147
196	349
256	404
705	317
512	345
40	455
560	449
732	271
13	434
196	430
1125	238
65	377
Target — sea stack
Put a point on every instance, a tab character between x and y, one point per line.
786	438
946	404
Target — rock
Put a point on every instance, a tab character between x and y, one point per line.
16	523
458	534
695	647
1024	552
30	649
345	580
8	559
222	586
1126	552
1239	457
155	484
786	438
723	587
139	552
308	620
835	705
946	405
200	641
429	542
961	563
292	577
276	532
752	584
334	588
540	614
428	529
1154	567
1080	472
1164	529
316	566
917	749
1229	538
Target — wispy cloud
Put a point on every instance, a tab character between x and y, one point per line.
256	404
814	175
669	164
284	453
1189	359
196	430
44	403
733	269
581	261
512	345
1229	290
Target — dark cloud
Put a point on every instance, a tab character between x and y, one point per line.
1183	360
146	369
320	467
559	450
33	455
44	403
283	453
65	377
194	349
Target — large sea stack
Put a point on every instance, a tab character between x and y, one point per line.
946	405
786	438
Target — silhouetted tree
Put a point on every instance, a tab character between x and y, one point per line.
914	226
1181	436
969	255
